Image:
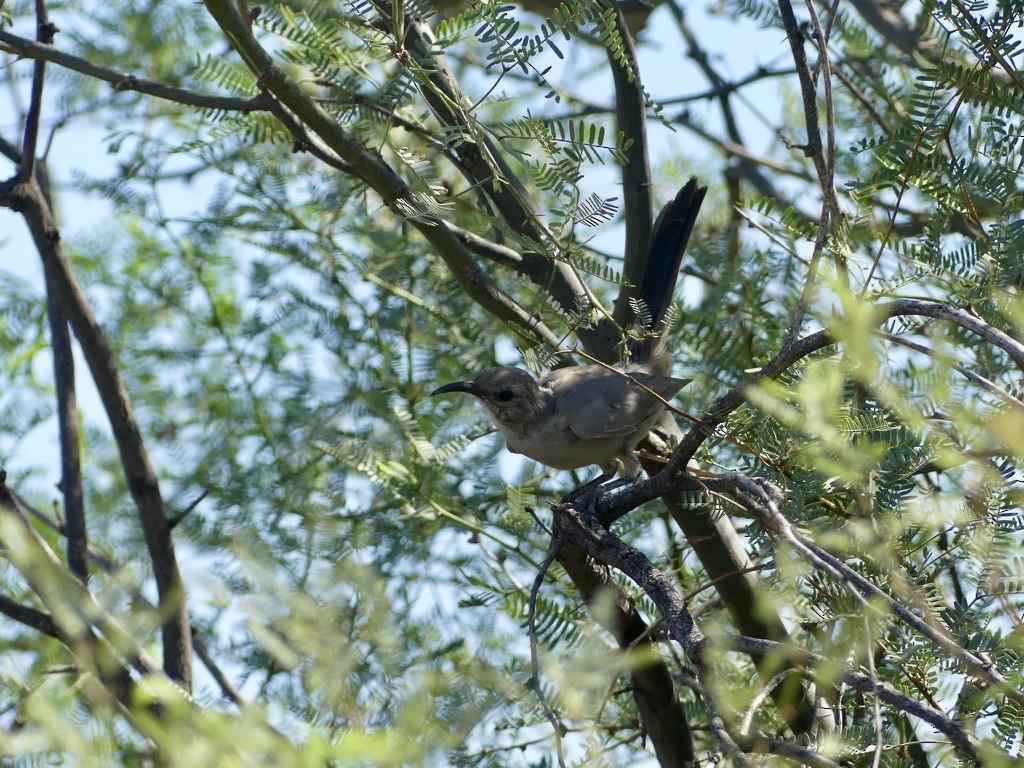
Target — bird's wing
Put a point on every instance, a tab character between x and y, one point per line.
601	403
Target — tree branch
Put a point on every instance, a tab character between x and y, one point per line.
637	191
653	688
372	169
73	610
599	543
30	617
27	197
112	567
67	414
123	81
812	662
762	500
485	164
44	35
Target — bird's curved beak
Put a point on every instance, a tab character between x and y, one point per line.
456	386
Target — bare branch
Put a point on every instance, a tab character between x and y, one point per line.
637	197
963	370
584	530
28	616
112	567
123	81
27	197
653	688
44	35
67	414
813	148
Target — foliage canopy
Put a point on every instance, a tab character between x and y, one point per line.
320	211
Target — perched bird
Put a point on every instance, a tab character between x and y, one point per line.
592	414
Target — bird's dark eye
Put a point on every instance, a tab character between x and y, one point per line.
505	395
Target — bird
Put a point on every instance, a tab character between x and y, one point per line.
596	414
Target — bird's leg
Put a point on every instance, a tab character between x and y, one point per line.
590	493
588	489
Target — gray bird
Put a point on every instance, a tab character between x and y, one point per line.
591	414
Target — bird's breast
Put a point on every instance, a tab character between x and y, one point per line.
555	445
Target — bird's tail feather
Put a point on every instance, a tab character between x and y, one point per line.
669	237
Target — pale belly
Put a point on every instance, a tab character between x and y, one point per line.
562	449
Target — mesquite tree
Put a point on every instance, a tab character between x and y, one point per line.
266	546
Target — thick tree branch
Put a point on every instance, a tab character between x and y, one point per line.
585	531
637	187
30	617
718	547
487	168
653	689
67	401
27	197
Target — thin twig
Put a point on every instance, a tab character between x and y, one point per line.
44	36
123	81
760	698
535	684
725	576
875	701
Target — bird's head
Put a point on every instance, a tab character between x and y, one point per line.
510	395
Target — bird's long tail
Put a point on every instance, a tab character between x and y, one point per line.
669	237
